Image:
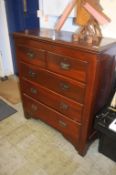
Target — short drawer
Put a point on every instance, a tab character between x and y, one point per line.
71	67
72	89
38	110
31	55
58	102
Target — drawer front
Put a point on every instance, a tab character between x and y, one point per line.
38	110
69	88
31	55
68	66
60	103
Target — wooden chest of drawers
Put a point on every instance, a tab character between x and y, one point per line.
64	83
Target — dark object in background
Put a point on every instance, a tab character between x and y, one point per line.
21	15
107	137
107	146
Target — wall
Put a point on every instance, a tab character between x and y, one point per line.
6	67
109	7
50	15
108	30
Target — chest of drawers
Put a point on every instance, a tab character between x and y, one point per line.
64	83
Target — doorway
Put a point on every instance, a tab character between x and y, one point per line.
21	15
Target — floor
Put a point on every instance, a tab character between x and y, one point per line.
30	147
9	89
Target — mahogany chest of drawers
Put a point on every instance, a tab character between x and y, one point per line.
64	83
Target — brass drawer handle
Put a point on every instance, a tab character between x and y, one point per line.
31	55
65	66
62	124
64	86
32	74
64	106
33	90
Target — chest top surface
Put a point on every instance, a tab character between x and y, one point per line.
66	39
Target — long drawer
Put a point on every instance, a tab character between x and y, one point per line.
68	66
38	110
58	102
64	86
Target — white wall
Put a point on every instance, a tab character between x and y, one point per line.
109	7
108	30
51	14
6	67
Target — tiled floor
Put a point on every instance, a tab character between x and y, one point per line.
30	147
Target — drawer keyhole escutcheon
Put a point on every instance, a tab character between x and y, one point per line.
32	74
33	90
31	55
64	106
64	86
64	65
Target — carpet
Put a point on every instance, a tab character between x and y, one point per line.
9	90
5	110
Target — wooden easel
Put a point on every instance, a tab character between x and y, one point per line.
90	29
91	32
89	15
